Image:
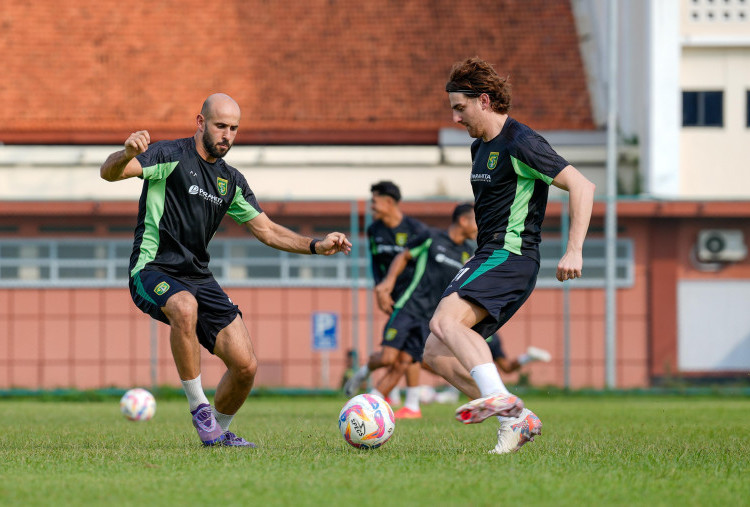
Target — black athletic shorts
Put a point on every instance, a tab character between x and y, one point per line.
151	289
497	280
406	332
496	346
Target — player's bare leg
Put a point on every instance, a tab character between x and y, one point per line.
182	312
394	373
451	324
441	361
234	347
386	356
411	408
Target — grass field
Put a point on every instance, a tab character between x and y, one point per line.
594	450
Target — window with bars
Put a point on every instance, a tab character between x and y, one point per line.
247	262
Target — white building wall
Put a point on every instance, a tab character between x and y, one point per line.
716	160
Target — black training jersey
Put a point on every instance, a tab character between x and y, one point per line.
437	260
510	176
387	243
182	203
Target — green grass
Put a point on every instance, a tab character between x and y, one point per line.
664	450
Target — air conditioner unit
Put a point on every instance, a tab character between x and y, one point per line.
721	245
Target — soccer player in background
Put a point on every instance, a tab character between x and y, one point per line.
512	168
438	256
390	233
187	190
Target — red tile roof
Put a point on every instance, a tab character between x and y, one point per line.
330	71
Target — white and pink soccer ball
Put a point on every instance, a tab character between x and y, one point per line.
366	421
138	405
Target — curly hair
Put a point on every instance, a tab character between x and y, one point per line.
474	76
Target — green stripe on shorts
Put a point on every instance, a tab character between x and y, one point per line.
497	258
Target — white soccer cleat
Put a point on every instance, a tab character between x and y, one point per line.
538	354
513	434
476	411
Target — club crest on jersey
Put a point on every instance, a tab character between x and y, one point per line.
161	288
390	334
492	160
401	238
222	184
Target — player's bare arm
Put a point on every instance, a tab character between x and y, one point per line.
384	288
122	164
581	192
281	238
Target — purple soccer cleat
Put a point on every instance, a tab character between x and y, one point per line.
231	440
204	421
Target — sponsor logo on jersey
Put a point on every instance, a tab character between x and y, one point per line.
492	160
483	177
222	184
401	238
161	288
196	190
390	334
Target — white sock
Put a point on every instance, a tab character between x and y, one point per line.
194	391
525	358
224	420
376	393
412	398
395	395
488	379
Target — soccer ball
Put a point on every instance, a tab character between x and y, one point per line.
138	405
366	421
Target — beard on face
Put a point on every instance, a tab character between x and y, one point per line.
215	150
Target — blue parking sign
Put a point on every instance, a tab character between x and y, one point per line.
325	330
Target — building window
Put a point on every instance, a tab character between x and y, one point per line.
703	109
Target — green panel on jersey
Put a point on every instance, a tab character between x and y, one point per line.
528	171
159	171
417	250
497	258
155	198
421	263
240	210
519	210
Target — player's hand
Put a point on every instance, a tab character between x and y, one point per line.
570	265
383	296
335	242
137	143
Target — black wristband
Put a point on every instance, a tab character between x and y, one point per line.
312	246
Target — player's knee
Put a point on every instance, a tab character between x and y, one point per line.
245	372
182	310
402	364
437	325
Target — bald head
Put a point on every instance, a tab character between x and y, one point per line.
219	103
218	122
